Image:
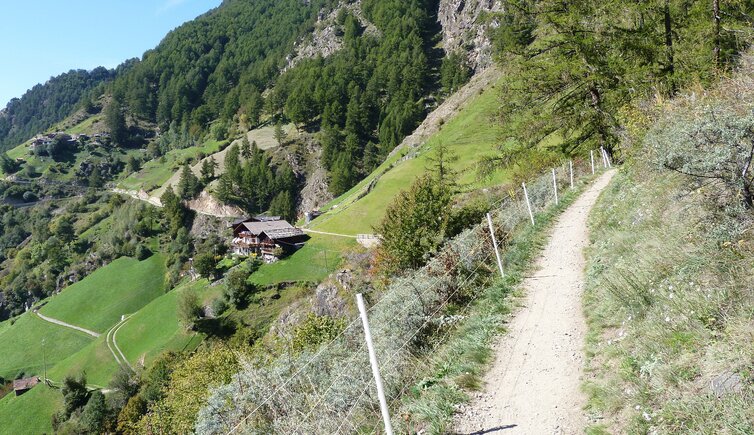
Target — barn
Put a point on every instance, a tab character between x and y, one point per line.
20	386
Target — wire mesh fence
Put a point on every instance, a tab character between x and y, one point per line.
331	389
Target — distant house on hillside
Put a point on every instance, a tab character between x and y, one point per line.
266	236
20	386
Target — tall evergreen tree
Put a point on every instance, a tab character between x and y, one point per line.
188	185
116	122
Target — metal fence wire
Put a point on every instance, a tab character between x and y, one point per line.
331	390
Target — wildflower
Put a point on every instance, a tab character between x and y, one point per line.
667	318
671	296
646	416
637	407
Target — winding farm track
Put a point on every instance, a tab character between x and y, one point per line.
112	344
534	384
67	325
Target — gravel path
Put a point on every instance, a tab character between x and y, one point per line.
534	385
67	325
115	330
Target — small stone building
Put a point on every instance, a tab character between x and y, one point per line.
20	386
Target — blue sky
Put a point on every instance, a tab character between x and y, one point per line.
44	38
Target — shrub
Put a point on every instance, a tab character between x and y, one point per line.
75	394
206	265
142	252
237	288
219	306
316	330
30	196
709	142
414	225
189	309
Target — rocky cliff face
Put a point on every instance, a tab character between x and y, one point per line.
464	27
327	37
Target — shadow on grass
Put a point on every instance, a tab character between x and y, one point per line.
222	327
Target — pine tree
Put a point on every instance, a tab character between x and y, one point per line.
283	205
188	185
116	122
279	133
414	225
174	210
233	164
95	179
225	189
208	170
245	147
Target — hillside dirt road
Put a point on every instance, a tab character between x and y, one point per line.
67	325
533	386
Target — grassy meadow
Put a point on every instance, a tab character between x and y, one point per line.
321	256
98	301
29	413
155	328
154	173
471	134
29	341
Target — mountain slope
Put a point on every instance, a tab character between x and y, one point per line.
48	103
464	123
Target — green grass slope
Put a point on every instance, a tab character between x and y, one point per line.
21	348
470	134
155	328
95	359
154	173
29	413
321	256
669	306
122	287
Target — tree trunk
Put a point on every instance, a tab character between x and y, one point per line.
716	20
670	68
597	105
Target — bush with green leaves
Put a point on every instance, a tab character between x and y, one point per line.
237	287
206	265
316	330
189	309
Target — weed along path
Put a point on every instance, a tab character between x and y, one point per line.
533	386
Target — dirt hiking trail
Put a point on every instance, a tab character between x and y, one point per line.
534	384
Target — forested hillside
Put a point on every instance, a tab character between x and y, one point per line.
46	104
108	203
